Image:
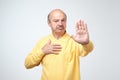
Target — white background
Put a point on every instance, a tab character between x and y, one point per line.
24	22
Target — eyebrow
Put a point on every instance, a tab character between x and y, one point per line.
60	19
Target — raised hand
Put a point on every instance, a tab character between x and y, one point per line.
82	35
51	48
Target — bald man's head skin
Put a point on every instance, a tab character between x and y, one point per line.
57	22
53	11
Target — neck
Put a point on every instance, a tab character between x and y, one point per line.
58	35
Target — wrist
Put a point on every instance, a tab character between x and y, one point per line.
84	42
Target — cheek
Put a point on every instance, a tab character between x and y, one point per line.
53	27
64	25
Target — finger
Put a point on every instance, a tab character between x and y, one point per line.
72	36
49	42
55	50
85	26
77	25
57	47
80	24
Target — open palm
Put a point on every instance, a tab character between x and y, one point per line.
82	35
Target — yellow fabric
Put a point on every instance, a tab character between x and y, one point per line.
62	66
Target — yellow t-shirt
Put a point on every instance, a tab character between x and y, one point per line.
61	66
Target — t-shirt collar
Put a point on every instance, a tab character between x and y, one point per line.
63	38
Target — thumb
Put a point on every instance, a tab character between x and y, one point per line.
49	42
72	36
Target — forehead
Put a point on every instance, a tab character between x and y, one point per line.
57	15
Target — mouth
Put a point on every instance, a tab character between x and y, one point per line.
60	28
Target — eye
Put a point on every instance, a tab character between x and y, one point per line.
56	20
63	20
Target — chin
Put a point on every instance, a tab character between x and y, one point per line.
60	31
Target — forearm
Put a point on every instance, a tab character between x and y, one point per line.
33	59
87	48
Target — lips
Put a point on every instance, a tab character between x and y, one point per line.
60	27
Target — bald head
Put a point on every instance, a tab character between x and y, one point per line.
55	11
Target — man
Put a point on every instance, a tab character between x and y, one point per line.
59	52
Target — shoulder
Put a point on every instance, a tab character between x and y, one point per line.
45	37
43	40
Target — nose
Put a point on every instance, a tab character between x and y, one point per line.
60	22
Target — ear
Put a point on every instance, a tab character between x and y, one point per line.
49	23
